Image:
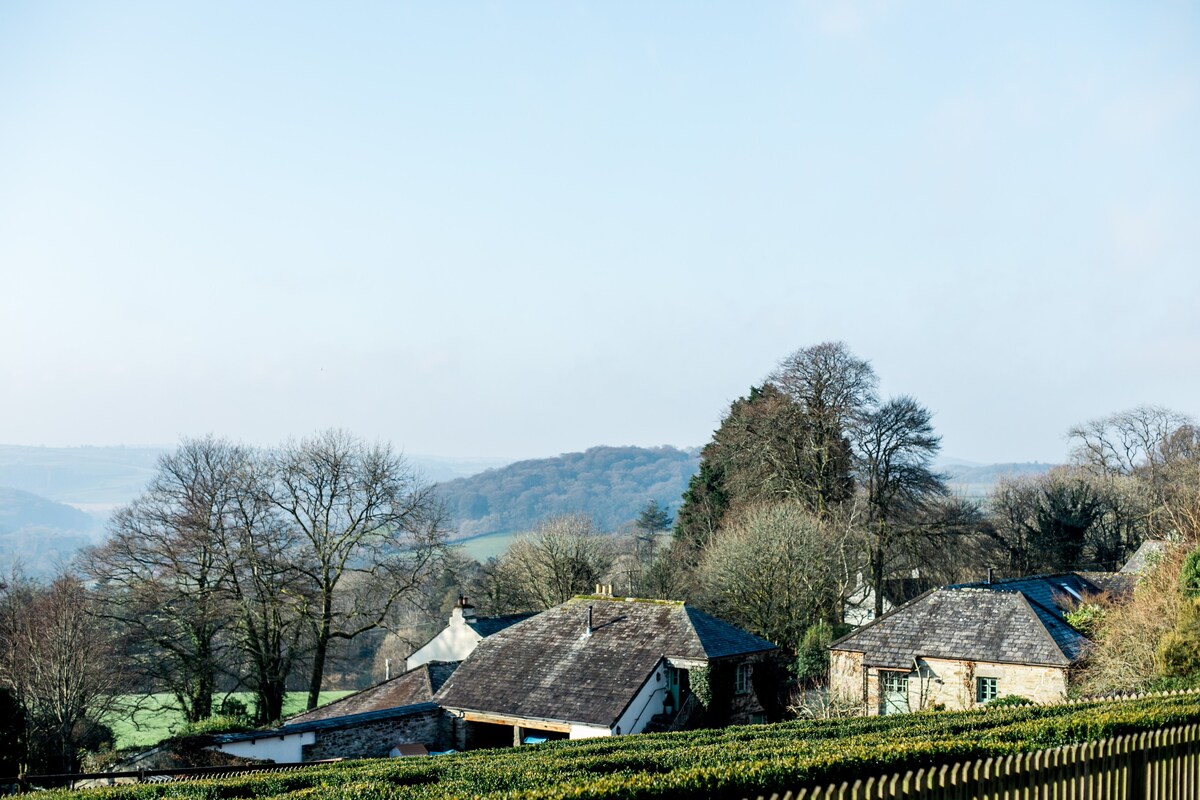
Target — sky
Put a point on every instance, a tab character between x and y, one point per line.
516	229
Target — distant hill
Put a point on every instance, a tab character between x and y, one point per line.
976	480
611	484
38	533
83	476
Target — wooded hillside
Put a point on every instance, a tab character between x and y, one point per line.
610	484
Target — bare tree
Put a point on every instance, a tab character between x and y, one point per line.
562	557
370	528
162	575
61	664
895	446
268	596
833	390
1126	442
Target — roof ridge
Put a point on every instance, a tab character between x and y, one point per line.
1041	626
884	616
613	599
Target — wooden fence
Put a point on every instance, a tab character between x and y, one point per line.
1156	765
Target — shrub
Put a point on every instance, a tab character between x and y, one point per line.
812	656
215	724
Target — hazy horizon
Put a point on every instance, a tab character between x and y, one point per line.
506	231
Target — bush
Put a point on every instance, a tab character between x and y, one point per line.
1009	701
234	708
728	764
215	724
812	656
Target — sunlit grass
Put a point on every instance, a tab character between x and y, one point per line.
151	718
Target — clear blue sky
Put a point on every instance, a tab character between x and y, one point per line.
518	229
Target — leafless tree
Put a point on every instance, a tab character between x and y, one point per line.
369	527
162	576
1126	442
564	556
267	593
895	446
61	664
833	391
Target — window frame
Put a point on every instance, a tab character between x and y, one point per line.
741	679
992	692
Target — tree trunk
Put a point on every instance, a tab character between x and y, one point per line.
320	651
877	576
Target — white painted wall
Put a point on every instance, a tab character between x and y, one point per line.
456	641
588	732
648	702
280	749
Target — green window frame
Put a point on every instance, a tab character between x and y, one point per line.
986	689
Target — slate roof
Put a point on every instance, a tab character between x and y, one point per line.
968	624
486	626
417	685
547	668
1118	584
1147	554
1057	593
332	723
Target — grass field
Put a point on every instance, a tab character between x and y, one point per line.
481	548
152	718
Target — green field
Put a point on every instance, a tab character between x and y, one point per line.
151	718
728	763
489	545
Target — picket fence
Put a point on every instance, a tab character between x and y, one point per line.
1155	765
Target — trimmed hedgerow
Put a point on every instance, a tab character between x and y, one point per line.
727	763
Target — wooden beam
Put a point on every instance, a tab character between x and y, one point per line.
530	724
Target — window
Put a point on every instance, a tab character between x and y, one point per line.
741	681
894	694
986	689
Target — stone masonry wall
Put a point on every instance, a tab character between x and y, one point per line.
951	684
846	676
376	739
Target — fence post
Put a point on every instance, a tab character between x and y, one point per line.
1136	786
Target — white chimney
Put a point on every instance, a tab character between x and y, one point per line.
463	613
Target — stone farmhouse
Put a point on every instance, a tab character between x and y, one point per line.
593	666
367	724
964	645
605	666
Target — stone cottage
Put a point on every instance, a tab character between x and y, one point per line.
960	646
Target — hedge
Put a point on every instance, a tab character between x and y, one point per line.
725	763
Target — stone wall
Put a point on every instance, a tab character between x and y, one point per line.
943	682
846	677
376	739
